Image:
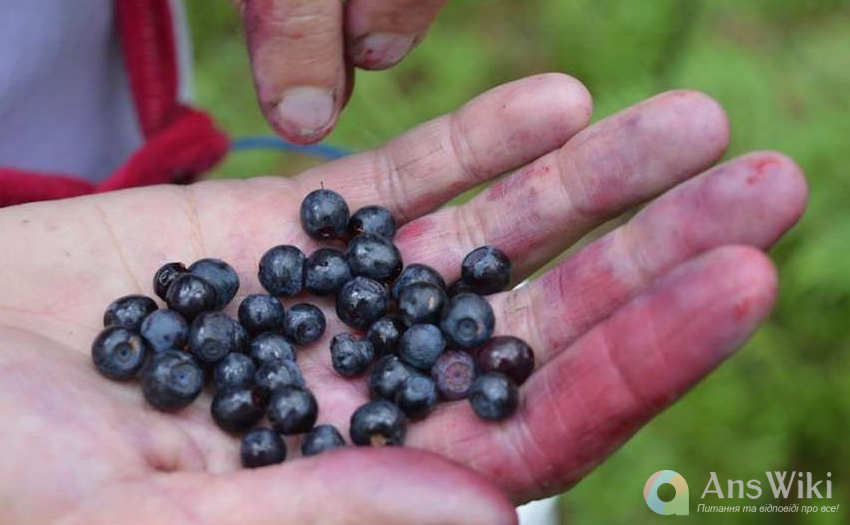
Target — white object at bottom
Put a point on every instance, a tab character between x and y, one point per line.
540	512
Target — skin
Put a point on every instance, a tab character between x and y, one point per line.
304	53
621	329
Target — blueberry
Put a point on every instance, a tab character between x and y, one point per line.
373	256
454	373
487	270
321	439
221	276
494	396
468	320
458	287
324	215
118	353
351	355
304	324
372	219
171	380
378	423
421	345
421	303
509	355
361	302
417	273
282	271
262	447
261	313
165	330
270	347
325	271
190	295
237	410
166	274
417	396
385	334
387	376
276	375
129	312
213	335
234	371
292	410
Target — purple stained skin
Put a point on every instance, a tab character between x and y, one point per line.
454	373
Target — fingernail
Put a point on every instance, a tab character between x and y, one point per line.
306	111
382	50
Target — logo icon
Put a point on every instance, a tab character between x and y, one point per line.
678	506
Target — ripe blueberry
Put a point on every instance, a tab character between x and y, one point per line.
237	410
129	312
270	347
304	324
278	374
325	271
361	302
292	410
213	335
421	303
417	396
221	276
190	295
260	313
171	380
468	320
234	371
351	355
118	353
282	271
454	373
324	215
375	257
262	447
494	396
321	439
421	345
165	330
509	355
385	334
166	274
417	273
378	423
372	219
387	376
487	270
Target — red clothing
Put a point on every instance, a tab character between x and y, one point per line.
181	143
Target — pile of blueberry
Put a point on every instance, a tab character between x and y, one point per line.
417	339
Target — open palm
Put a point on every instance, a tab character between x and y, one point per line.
621	328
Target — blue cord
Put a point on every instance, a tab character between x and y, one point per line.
325	151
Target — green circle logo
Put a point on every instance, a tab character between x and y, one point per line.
678	506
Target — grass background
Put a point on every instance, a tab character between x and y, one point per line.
782	70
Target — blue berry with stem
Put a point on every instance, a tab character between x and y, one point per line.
324	215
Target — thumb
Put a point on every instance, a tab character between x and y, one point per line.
298	60
342	487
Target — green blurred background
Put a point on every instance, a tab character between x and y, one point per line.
782	70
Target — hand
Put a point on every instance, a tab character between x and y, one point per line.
304	53
621	329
